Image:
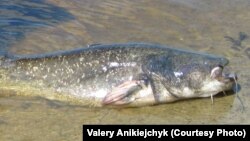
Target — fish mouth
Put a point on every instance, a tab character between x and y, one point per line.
219	74
231	77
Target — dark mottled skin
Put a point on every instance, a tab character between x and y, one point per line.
87	71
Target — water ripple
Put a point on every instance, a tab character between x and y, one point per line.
19	17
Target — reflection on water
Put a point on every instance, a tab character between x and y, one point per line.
36	26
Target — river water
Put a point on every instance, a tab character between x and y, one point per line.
39	26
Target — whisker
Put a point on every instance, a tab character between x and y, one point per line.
224	93
237	95
212	99
236	86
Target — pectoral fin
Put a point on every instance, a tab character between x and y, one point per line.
120	95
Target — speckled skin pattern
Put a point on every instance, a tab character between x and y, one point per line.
94	71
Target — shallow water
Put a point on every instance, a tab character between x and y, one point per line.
38	26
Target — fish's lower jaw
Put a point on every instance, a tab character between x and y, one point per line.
209	94
211	88
187	93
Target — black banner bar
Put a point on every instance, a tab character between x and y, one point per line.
165	132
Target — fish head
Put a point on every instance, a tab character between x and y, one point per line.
202	77
217	81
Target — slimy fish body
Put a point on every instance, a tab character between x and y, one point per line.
133	74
